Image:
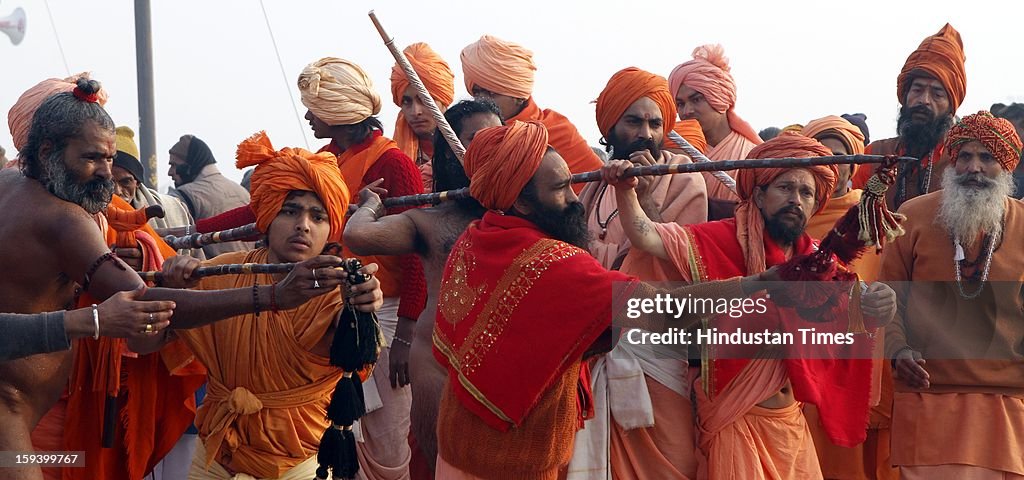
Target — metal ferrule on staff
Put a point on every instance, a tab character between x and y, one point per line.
200	240
227	269
421	90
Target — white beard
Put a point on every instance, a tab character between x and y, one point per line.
967	212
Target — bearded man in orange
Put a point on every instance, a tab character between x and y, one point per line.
955	343
503	72
869	460
514	397
634	112
705	90
930	88
414	129
269	371
750	423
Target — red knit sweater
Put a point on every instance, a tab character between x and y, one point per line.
401	177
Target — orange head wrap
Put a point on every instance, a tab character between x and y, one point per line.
940	56
749	221
996	134
708	73
500	161
499	67
838	127
436	75
338	92
19	118
627	86
691	131
280	172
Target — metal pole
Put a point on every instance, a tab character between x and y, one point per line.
144	75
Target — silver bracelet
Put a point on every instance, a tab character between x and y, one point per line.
96	322
373	211
402	340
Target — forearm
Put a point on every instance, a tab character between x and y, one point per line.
638	226
32	334
366	234
195	308
650	208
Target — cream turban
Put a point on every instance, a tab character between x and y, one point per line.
338	92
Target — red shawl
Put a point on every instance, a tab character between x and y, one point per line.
505	328
835	378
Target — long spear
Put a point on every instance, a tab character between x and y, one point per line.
227	269
699	157
652	170
200	240
421	90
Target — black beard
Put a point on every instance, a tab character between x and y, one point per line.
782	232
569	225
919	139
622	152
93	196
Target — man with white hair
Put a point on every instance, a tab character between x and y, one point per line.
955	342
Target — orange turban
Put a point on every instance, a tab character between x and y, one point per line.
338	92
627	86
499	67
437	77
19	118
838	127
691	131
996	134
500	161
280	172
708	73
940	56
749	221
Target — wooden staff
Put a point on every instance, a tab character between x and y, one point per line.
695	154
227	269
200	240
421	90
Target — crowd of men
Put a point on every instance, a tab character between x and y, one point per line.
502	350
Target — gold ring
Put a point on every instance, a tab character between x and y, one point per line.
149	328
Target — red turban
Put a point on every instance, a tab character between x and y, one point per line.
708	73
280	172
627	86
500	161
19	118
942	57
499	67
749	221
437	77
691	131
996	134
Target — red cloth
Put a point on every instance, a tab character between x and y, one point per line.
505	331
820	374
400	178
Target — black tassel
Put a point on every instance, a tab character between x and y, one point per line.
347	403
344	345
347	462
337	454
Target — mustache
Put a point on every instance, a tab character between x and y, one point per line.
791	209
980	179
921	109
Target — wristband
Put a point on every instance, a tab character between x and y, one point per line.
96	322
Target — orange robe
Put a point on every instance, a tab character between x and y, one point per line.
266	406
733	147
869	460
973	411
563	136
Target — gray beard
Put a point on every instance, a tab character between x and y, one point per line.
968	212
93	196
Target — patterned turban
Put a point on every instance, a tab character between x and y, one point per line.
338	92
279	172
996	134
940	56
627	86
499	67
500	161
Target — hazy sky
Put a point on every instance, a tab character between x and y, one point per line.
217	75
